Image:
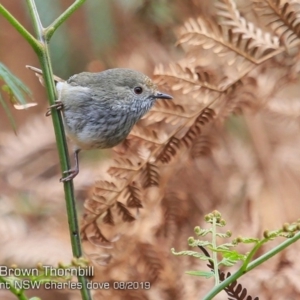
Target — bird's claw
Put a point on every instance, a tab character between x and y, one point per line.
58	106
72	173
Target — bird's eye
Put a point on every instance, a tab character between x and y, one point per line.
138	90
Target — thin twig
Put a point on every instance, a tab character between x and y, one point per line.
37	47
49	31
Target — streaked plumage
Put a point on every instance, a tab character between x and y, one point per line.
100	109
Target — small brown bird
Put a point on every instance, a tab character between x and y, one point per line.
100	109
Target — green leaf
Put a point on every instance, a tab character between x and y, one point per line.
200	273
234	255
201	231
196	243
227	262
222	235
8	114
225	247
15	86
250	240
190	253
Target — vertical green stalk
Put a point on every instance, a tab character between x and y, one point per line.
40	46
214	253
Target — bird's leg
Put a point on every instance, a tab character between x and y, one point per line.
72	173
58	105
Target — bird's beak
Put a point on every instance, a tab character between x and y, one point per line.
160	95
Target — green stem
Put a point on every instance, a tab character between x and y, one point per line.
214	253
49	31
251	266
37	47
61	143
18	293
252	253
38	28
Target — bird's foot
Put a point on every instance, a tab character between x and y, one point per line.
58	106
72	173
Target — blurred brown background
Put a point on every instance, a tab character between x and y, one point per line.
251	175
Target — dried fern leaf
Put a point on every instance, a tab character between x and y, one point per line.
151	259
123	167
95	235
107	186
169	107
104	195
169	150
150	175
120	173
183	78
175	210
95	207
156	117
235	290
256	38
202	146
201	33
283	18
250	43
240	96
108	218
166	111
156	137
124	212
133	196
204	117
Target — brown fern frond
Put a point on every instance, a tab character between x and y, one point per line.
96	207
121	173
229	43
206	91
96	237
169	150
124	212
181	77
257	40
108	218
150	175
239	97
156	117
195	130
235	290
175	210
123	167
283	17
202	146
169	107
106	185
151	260
133	196
166	111
105	193
148	134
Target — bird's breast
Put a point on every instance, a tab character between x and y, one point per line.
90	127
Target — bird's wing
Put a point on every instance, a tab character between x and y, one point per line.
39	74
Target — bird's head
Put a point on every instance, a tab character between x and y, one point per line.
133	88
